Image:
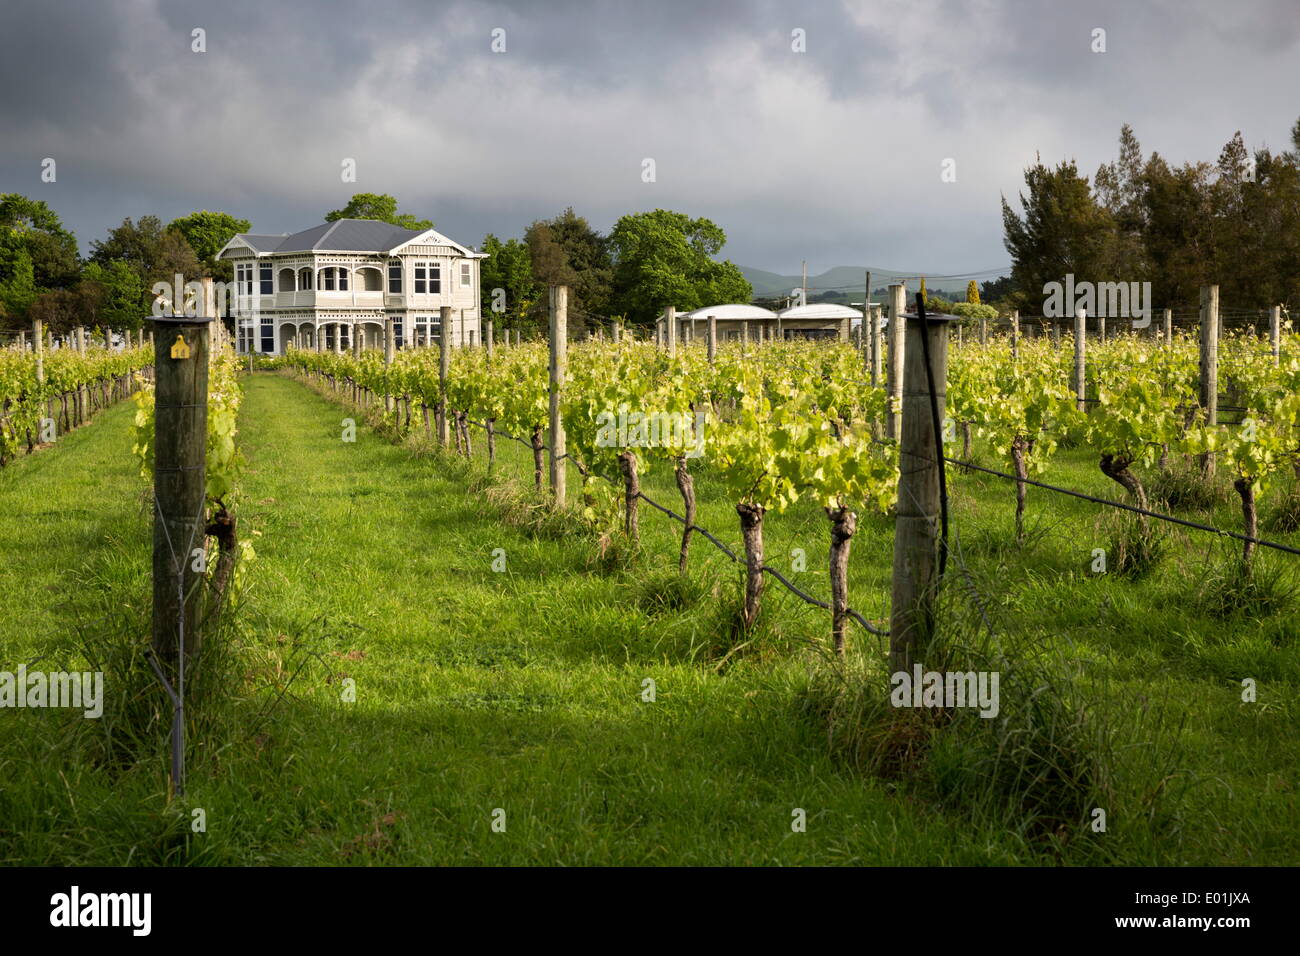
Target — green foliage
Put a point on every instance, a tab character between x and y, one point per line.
120	294
509	267
974	311
153	253
664	258
379	206
30	225
207	232
973	292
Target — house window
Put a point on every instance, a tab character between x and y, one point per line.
244	278
428	278
395	277
398	341
334	277
268	336
464	275
304	280
421	330
266	279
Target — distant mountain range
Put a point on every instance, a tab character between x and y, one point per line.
844	279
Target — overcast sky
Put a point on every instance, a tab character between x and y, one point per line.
834	154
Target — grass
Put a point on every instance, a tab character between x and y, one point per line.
521	690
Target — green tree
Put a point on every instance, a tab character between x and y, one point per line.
508	267
973	292
38	229
566	250
379	206
1063	230
153	253
207	232
664	258
121	294
924	296
17	280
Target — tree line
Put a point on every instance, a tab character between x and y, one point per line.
1234	223
647	261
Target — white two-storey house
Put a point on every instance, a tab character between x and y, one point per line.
325	286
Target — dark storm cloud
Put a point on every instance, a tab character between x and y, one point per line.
831	155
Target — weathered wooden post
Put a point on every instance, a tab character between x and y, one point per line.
179	526
38	346
444	372
1275	333
670	329
618	332
744	331
390	346
1169	328
558	365
1015	334
489	339
1081	359
917	538
1209	365
897	357
877	344
984	331
1101	326
713	338
180	477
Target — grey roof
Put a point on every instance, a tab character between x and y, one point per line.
342	235
348	235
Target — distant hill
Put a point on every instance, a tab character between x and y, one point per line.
846	279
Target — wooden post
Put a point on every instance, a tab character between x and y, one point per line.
489	339
390	346
897	357
744	331
558	365
1015	334
444	370
1209	364
1080	358
984	331
618	332
876	350
38	346
866	321
180	477
1169	328
1101	327
1275	333
916	526
713	338
670	328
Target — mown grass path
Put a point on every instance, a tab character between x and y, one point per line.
477	690
67	514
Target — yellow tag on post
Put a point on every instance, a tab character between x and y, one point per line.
179	349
